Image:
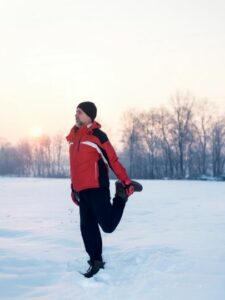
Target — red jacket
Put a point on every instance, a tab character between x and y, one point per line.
91	154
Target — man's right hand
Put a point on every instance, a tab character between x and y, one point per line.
74	196
129	188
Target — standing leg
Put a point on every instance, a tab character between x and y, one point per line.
89	228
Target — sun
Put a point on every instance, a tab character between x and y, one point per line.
36	132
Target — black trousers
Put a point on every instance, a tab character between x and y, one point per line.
96	209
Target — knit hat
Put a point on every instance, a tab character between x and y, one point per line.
89	108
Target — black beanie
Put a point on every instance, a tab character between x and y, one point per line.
89	108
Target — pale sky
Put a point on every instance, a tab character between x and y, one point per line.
119	54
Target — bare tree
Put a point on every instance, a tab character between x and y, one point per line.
42	156
59	149
218	147
10	160
24	152
131	139
166	125
152	141
202	129
182	109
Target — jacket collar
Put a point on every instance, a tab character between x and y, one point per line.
87	129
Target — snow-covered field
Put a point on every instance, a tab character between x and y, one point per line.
169	245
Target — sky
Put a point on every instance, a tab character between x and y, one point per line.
119	54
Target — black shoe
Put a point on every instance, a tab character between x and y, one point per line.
137	186
95	266
120	189
90	261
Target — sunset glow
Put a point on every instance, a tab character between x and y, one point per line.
36	132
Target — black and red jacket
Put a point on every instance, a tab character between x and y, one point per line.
91	154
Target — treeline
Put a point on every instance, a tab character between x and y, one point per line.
185	140
39	157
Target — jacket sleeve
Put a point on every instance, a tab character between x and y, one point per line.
114	163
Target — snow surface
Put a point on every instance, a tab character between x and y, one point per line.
169	245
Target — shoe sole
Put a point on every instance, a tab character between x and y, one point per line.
137	186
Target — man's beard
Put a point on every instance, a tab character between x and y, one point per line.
79	123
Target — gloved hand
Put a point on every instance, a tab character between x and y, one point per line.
129	188
74	196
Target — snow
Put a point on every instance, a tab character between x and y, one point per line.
169	245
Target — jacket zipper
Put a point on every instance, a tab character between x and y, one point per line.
96	171
78	146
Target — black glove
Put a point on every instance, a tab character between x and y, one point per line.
74	196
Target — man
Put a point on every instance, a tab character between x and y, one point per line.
91	154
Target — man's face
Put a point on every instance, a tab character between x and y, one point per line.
81	118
